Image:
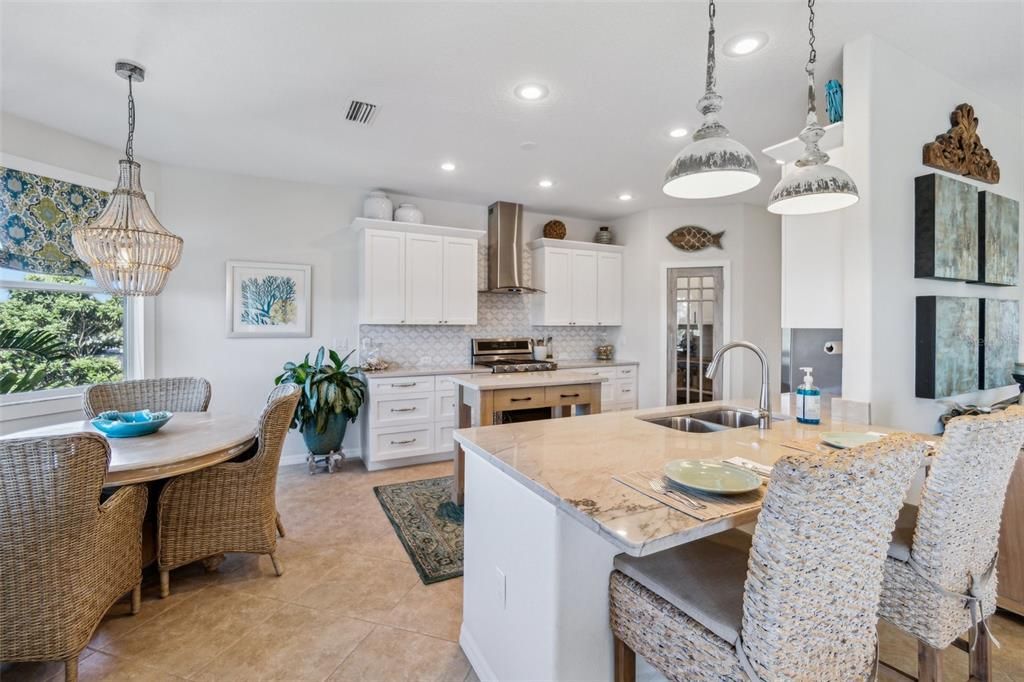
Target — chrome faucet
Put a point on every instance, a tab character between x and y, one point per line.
764	407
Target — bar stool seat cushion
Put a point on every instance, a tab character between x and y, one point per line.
903	534
703	579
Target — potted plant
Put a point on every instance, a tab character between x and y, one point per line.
331	397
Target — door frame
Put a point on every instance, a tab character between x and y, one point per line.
663	356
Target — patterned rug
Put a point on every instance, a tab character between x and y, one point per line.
428	523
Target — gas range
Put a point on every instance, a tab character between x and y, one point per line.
508	355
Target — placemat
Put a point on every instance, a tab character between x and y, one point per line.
812	445
716	506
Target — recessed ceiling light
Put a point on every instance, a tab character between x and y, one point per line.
625	196
678	132
531	92
780	162
528	146
448	166
545	183
744	44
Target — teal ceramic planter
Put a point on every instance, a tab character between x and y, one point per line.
330	440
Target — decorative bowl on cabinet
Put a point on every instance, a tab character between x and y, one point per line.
408	213
377	206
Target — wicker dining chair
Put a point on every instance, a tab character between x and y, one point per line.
64	557
812	571
175	394
229	507
940	573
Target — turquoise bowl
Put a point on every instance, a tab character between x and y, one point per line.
130	424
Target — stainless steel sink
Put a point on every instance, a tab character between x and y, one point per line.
688	424
727	418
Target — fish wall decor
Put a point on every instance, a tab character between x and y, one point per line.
693	238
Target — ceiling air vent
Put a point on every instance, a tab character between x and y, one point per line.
361	112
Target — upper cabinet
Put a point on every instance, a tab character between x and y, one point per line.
419	274
581	281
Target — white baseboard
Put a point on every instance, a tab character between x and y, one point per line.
475	656
299	457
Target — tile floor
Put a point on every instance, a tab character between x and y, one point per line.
348	607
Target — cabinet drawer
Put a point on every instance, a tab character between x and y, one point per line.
626	371
397	443
625	390
567	395
607	372
402	385
444	407
444	441
445	385
518	398
387	410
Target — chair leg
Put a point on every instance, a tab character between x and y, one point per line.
136	599
278	568
625	662
280	526
165	584
71	669
981	655
929	663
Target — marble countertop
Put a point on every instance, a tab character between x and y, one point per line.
392	372
490	382
570	463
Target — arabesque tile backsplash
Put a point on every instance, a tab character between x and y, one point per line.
498	315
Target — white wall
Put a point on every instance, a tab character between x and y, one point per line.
895	105
751	251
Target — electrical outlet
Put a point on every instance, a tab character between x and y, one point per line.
501	586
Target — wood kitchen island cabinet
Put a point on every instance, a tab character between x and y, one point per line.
482	396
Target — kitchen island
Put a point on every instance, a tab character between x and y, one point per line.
482	396
544	520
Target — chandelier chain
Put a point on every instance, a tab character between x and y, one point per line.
711	11
813	56
129	150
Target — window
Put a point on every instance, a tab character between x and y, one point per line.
89	326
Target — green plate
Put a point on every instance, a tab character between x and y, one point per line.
849	439
710	476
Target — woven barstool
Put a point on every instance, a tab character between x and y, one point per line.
229	507
940	573
176	394
64	557
813	571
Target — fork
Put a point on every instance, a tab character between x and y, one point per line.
660	487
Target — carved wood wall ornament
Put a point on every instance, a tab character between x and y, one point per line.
959	150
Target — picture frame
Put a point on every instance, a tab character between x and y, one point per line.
268	300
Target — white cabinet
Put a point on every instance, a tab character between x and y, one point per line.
620	391
582	284
417	274
609	289
383	285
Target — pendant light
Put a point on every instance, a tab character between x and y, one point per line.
129	251
815	186
714	164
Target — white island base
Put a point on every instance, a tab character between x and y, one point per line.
535	602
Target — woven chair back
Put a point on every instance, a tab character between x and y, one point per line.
961	506
274	422
174	394
814	576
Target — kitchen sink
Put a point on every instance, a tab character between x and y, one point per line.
727	418
688	424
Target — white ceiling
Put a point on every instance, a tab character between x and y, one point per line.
262	88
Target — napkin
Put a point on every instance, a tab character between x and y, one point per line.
759	469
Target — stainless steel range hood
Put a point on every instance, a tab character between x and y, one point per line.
505	249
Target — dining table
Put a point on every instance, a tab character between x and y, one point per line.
188	442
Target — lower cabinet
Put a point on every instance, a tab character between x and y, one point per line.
619	393
409	420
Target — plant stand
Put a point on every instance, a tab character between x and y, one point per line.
332	460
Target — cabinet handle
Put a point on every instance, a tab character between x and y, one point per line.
403	442
519	400
406	385
569	395
627	390
403	409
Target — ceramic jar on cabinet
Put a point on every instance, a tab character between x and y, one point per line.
408	213
377	206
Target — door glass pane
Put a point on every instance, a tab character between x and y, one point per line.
695	296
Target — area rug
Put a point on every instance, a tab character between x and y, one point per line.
428	523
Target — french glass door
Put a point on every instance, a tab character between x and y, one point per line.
694	332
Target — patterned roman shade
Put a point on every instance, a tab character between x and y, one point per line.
36	217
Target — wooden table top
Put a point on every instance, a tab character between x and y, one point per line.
190	441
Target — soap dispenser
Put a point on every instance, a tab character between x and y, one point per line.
808	400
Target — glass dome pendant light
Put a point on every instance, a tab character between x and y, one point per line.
129	251
815	186
713	164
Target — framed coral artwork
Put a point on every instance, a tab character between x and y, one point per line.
268	299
